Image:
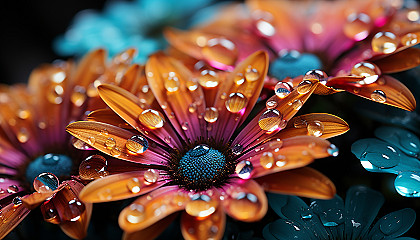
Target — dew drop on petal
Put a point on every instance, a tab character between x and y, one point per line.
236	102
282	89
378	96
17	201
304	87
45	183
23	135
370	71
171	83
265	27
135	213
91	140
23	114
150	176
239	79
12	189
267	160
315	75
93	167
78	96
409	39
137	144
73	210
245	205
300	123
391	223
315	128
105	194
244	169
385	42
110	143
115	152
296	104
201	205
237	149
211	114
192	108
134	185
270	120
332	150
251	74
271	104
358	26
151	119
191	85
408	184
54	94
208	79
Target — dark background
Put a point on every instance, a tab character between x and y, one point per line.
27	31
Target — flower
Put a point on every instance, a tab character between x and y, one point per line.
192	154
396	151
37	153
360	43
125	24
334	219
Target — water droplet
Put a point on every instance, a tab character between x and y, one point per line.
265	27
73	210
211	114
270	120
78	96
220	50
201	205
236	102
370	71
237	149
171	83
271	104
12	189
358	26
282	89
378	96
23	114
315	75
105	194
93	167
184	126
150	176
79	144
413	15
134	185
267	160
17	201
409	39
304	87
54	94
191	84
300	123
110	143
408	184
244	169
45	183
251	74
192	108
137	144
115	151
306	216
151	119
135	213
315	128
167	139
245	205
385	42
208	79
23	135
296	104
332	150
239	79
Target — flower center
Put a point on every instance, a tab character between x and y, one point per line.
57	164
292	64
201	168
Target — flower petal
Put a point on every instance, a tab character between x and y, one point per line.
305	182
399	61
11	216
108	116
210	227
151	208
33	200
245	201
112	141
386	89
151	232
393	224
120	186
90	67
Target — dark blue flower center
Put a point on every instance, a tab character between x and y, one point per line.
57	164
292	64
202	164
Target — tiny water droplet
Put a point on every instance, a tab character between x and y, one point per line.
110	143
251	74
134	185
315	75
267	160
137	144
237	149
385	42
135	213
45	183
23	114
211	114
150	176
192	108
185	126
171	83
93	167
244	169
201	205
271	104
236	102
296	104
378	96
115	152
315	128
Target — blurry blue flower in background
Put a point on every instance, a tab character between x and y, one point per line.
336	219
396	151
136	24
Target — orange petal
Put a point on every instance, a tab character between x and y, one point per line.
11	216
108	116
33	200
151	232
110	140
210	227
151	208
246	201
314	124
90	67
121	186
399	61
304	182
386	89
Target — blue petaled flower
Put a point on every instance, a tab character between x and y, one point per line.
336	219
129	24
396	151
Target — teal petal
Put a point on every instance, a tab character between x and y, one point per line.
408	184
332	215
403	139
285	229
393	224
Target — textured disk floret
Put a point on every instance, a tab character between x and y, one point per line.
57	164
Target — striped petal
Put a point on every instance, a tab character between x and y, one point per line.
11	216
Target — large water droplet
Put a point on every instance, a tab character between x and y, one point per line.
134	185
93	167
135	213
358	26
270	120
201	205
12	189
265	26
409	39
378	96
171	83
110	143
296	104
45	183
332	150
267	160
73	210
315	75
251	74
315	128
244	169
150	176
208	79
245	205
220	50
211	114
137	144
304	87
385	42
408	184
370	71
236	102
282	89
151	119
